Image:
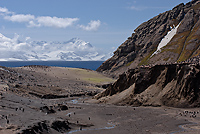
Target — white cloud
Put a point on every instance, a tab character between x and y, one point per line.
93	25
55	21
4	10
20	18
33	24
47	21
41	20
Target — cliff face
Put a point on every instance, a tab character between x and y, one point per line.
142	47
175	85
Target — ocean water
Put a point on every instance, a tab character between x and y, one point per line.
93	65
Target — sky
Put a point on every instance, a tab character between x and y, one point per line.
104	23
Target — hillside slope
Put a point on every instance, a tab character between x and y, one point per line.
170	37
174	85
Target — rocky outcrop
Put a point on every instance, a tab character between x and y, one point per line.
138	49
36	128
53	109
60	126
175	85
44	127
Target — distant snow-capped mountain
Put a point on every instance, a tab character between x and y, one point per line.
72	50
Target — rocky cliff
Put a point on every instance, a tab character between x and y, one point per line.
160	63
175	85
172	36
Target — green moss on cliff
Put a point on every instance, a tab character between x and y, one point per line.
196	53
176	44
191	44
145	59
128	64
166	59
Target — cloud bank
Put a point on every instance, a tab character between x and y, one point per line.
92	25
19	18
47	21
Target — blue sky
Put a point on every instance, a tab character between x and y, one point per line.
104	23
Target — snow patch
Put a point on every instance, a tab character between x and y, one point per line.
166	39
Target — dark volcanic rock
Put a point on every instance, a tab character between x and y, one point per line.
61	107
47	109
46	127
60	126
53	109
37	128
52	96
